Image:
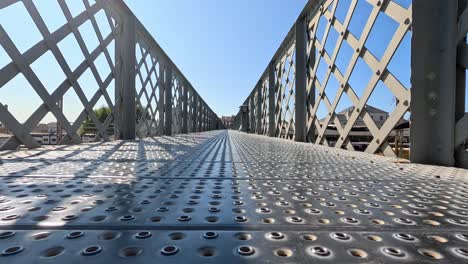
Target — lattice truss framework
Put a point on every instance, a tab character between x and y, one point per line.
265	106
202	117
461	129
253	103
236	123
191	111
177	104
52	96
198	115
149	90
317	53
285	76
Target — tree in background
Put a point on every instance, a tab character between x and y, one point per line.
88	127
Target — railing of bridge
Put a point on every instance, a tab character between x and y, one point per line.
461	105
121	68
381	75
285	77
332	77
333	51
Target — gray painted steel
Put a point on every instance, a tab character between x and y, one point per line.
125	78
185	110
300	121
168	81
136	68
252	111
260	117
244	109
195	115
434	82
271	100
439	128
162	101
461	115
325	67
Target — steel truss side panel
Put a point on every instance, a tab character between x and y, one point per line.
127	83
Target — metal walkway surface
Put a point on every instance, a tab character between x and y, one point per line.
227	197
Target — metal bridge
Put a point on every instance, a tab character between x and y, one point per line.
163	182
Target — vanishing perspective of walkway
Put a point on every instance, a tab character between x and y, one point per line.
143	171
227	197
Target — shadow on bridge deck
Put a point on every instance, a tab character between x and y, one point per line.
227	197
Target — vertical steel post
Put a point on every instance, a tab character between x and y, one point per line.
461	75
203	118
195	112
461	155
244	111
433	93
310	99
259	109
168	102
206	118
210	120
199	118
252	125
271	99
200	121
125	123
301	81
213	121
185	109
59	126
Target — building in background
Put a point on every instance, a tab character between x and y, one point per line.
227	121
360	136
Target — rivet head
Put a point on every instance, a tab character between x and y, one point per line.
431	76
432	96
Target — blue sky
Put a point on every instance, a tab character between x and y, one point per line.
222	47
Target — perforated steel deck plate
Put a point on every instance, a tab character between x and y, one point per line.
227	197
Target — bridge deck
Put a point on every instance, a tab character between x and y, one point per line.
230	197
